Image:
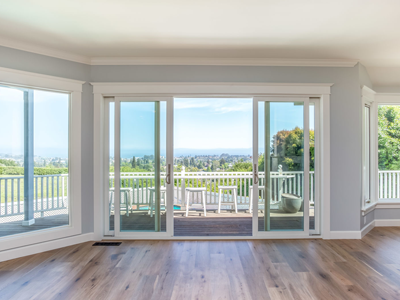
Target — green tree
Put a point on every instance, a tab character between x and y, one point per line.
8	163
389	137
222	161
192	163
186	162
288	148
215	165
242	167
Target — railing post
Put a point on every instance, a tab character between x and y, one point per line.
183	186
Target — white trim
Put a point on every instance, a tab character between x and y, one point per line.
345	235
367	94
338	235
74	88
45	246
211	88
367	228
177	61
387	204
325	165
387	222
368	208
381	204
98	163
37	81
204	89
28	47
255	163
273	235
223	61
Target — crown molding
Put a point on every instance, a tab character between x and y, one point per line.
177	61
203	61
36	80
45	51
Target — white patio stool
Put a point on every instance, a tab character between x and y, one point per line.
234	193
251	197
127	192
201	190
163	191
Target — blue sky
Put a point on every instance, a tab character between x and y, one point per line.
201	125
50	123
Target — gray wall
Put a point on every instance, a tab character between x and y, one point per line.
345	114
30	62
387	213
364	76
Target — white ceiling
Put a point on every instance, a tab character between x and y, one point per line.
364	30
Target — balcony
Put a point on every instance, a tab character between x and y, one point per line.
51	201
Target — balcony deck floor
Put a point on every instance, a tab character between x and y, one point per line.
225	224
15	227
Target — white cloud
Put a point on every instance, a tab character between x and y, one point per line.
214	105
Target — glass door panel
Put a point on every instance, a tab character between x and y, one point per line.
281	192
140	166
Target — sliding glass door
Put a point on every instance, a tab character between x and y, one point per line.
268	187
284	141
138	185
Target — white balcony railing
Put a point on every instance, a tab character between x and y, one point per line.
50	194
51	191
140	183
389	184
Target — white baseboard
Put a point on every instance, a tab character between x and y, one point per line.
337	235
345	235
367	228
46	246
387	222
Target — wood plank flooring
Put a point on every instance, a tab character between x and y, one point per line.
251	269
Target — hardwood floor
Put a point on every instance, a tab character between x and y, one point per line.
252	269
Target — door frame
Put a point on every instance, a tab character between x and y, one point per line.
248	90
117	233
306	159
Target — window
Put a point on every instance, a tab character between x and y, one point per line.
34	160
367	158
388	151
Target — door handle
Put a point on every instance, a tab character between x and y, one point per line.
255	174
168	178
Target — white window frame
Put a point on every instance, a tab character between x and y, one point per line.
37	81
374	100
368	150
161	89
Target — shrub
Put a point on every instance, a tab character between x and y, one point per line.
37	171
